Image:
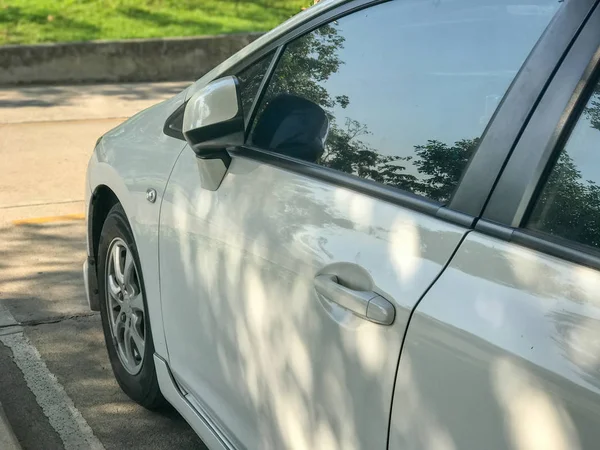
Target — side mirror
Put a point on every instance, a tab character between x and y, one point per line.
213	121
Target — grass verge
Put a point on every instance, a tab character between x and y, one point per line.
36	21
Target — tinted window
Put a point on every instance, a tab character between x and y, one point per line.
250	79
568	205
400	92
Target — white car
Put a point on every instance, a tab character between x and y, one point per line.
377	226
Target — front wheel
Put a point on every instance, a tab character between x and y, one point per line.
124	312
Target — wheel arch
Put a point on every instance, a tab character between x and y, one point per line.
101	202
103	199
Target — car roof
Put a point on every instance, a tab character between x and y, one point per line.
291	23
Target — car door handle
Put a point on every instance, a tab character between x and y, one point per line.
366	304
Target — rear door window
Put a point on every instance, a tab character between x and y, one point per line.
568	204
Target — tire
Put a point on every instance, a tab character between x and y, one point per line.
124	312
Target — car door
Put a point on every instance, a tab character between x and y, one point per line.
504	350
286	292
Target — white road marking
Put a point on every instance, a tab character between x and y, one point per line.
57	406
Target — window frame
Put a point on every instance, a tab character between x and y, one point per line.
546	134
497	141
514	111
256	57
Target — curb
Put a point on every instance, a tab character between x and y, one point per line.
8	440
135	60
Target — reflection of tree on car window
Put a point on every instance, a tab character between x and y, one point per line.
404	103
569	205
308	62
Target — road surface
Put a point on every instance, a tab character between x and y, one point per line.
56	385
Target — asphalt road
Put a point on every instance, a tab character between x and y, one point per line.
56	385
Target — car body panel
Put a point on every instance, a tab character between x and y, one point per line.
502	353
273	363
117	162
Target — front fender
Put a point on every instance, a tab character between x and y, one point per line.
129	160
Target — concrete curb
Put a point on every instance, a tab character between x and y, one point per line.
136	60
8	440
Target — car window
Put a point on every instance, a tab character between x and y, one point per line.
568	205
399	93
250	79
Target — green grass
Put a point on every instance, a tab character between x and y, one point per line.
35	21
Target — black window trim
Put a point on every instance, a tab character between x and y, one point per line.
262	89
353	182
172	124
504	129
555	246
549	126
544	137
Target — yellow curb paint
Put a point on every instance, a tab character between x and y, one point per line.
40	220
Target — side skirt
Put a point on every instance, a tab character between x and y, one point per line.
202	425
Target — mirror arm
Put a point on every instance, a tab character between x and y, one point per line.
213	121
213	168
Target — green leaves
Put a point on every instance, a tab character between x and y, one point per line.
27	21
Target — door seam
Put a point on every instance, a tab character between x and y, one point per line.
435	280
160	296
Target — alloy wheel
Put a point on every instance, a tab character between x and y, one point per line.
125	306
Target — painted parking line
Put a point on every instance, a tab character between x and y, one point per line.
50	219
52	398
